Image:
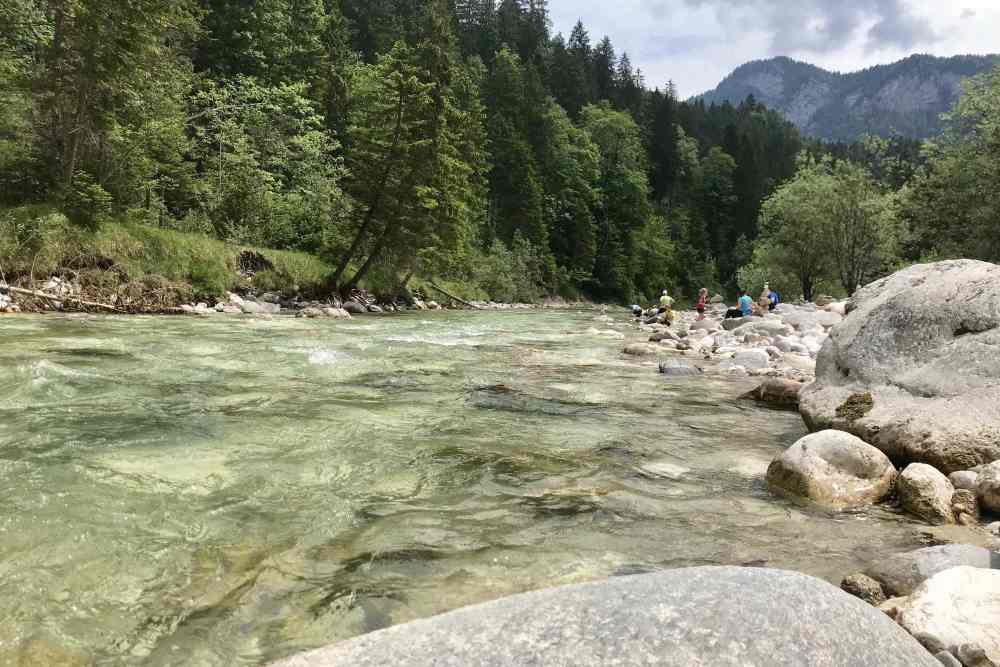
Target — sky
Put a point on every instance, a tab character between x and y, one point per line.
696	43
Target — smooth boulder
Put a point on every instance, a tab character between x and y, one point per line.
955	608
718	616
834	469
923	344
926	493
901	574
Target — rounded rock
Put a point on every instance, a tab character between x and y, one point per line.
926	493
834	469
720	616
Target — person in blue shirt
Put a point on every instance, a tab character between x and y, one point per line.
774	298
743	309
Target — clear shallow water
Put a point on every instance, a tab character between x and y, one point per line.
223	491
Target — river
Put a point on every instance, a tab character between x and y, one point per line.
182	491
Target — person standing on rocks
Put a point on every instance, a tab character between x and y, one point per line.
702	303
666	307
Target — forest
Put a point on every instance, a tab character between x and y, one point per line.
377	143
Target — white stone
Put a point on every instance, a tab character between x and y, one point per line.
957	606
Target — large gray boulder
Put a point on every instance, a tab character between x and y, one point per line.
834	469
901	574
914	368
957	608
700	616
926	493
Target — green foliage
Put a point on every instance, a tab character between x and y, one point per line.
953	207
446	140
829	222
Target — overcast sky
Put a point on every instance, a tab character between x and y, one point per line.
698	42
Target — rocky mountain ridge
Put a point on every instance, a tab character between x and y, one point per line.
905	98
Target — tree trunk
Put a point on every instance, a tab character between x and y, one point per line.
363	271
362	233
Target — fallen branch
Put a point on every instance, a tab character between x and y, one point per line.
453	298
60	299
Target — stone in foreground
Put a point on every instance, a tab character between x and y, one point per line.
922	344
834	469
957	607
901	574
714	616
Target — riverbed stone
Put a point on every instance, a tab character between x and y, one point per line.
834	469
988	487
957	607
864	588
720	616
354	308
754	359
926	493
776	392
641	350
922	343
680	369
965	507
965	479
251	308
901	574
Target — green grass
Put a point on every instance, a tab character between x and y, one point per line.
38	242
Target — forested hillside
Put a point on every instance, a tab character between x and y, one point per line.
904	98
393	141
391	137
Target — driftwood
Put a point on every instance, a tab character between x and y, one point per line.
453	298
60	299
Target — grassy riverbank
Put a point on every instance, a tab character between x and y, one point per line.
38	243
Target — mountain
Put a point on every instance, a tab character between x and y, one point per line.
906	97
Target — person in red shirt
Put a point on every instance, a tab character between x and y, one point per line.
702	303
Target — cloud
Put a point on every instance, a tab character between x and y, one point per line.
696	43
820	26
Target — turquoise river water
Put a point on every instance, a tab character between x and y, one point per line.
181	491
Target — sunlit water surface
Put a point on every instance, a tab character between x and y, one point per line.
225	491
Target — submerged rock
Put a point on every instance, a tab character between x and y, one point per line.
955	608
716	616
925	493
834	469
776	392
923	344
679	369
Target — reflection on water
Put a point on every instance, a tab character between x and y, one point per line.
220	491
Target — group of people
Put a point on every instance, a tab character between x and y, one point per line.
746	306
